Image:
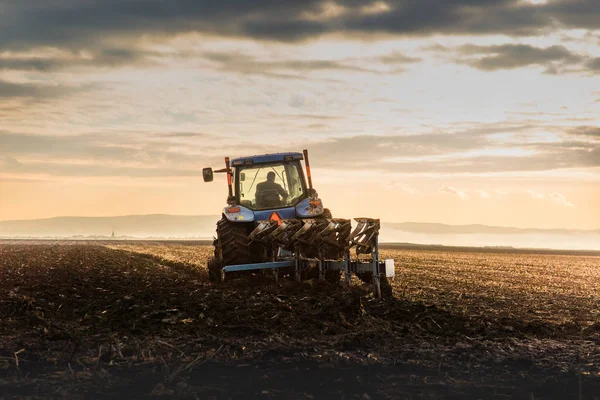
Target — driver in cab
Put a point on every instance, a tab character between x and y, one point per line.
268	192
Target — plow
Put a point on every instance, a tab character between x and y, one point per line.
275	224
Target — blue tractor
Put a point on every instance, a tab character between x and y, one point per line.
275	221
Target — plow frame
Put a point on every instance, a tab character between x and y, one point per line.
368	245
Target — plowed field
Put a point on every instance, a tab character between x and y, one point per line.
137	320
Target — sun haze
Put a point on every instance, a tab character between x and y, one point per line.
455	112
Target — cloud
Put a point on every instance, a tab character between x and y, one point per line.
109	57
594	64
112	33
248	65
454	191
483	194
578	14
114	57
591	131
33	90
536	195
30	24
398	58
402	187
512	56
68	169
560	199
111	151
353	148
475	148
555	197
7	163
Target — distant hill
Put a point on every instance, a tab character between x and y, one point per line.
141	226
434	228
203	227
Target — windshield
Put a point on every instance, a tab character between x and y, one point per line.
270	186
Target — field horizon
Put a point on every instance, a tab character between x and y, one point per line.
202	227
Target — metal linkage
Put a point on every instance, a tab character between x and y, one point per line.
365	235
366	239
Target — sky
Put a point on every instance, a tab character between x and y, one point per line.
456	111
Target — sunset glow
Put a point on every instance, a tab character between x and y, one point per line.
411	111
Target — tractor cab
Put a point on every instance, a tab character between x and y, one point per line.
261	184
269	181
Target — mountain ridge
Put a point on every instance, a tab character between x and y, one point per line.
202	225
432	227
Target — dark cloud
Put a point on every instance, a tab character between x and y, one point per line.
158	155
540	161
105	57
427	17
31	90
511	56
8	163
367	151
457	153
582	14
594	64
185	135
102	148
296	69
398	58
319	117
77	23
98	170
591	131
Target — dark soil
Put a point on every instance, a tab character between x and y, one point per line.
84	321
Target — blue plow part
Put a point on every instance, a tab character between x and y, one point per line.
267	265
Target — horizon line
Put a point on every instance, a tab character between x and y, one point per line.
593	230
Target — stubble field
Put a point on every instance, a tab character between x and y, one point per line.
137	320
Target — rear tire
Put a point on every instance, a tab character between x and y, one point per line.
231	247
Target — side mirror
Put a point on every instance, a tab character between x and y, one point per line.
207	174
242	177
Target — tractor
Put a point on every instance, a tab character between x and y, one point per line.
274	221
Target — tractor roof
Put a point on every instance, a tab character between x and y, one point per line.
267	158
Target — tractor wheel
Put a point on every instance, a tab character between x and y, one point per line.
214	270
233	245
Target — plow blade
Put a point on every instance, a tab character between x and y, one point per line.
325	244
